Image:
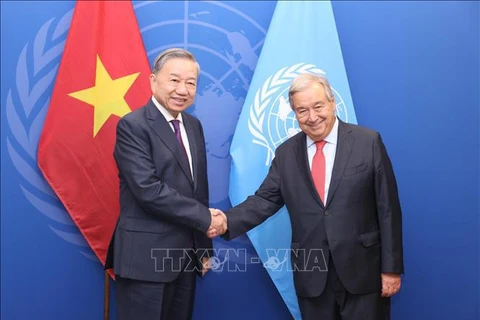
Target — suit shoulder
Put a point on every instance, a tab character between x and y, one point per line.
361	131
135	120
135	115
291	142
190	117
193	121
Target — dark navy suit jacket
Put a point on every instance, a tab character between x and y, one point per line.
360	224
162	209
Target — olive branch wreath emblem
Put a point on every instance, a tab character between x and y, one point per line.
263	98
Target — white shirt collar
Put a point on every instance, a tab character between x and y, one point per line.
332	137
167	115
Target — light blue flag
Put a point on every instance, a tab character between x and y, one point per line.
302	38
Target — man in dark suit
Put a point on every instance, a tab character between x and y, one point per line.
160	241
338	185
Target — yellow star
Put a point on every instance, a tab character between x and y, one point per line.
107	96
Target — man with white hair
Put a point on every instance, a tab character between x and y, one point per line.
338	184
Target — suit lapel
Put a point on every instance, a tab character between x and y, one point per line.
192	141
344	148
304	166
162	128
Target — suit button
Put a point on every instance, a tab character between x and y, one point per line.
327	213
325	242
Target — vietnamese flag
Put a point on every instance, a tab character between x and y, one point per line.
103	75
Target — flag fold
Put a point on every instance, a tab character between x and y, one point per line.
103	75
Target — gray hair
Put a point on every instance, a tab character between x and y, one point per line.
173	53
304	80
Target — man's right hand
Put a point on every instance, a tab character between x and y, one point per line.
218	225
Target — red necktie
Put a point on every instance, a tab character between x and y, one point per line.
318	169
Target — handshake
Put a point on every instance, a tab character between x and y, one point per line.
218	226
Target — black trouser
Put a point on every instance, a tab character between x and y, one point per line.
144	300
337	303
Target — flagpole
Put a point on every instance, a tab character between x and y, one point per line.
106	296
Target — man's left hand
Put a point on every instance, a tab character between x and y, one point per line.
391	283
205	265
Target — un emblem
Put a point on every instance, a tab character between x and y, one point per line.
272	120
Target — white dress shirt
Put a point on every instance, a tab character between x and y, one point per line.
329	150
169	118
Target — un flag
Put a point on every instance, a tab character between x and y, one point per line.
302	38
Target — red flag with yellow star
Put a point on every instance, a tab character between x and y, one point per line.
103	75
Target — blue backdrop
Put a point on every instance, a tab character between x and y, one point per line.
413	70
